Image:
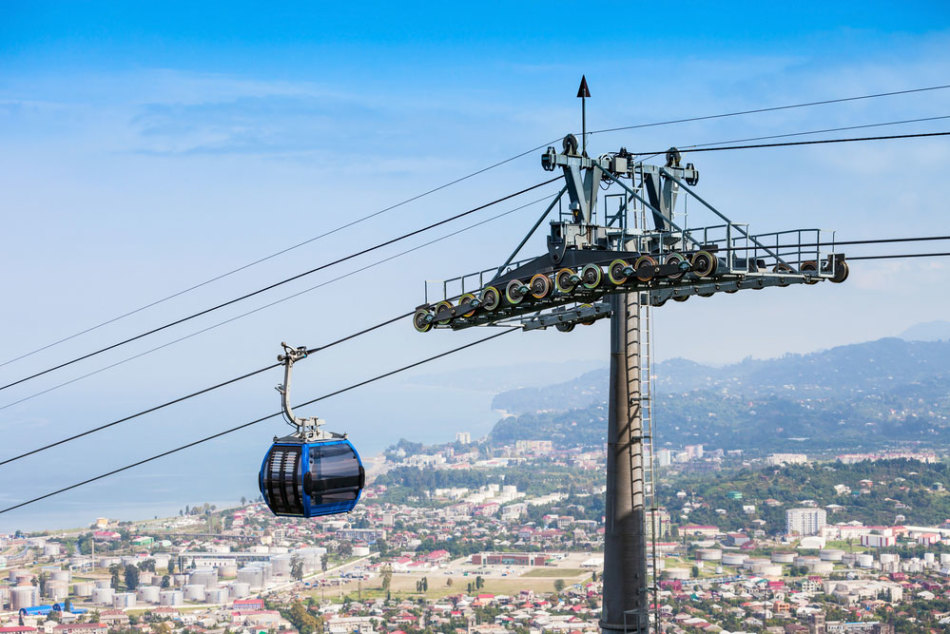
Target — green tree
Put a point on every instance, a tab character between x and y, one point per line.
131	577
296	567
147	565
558	585
387	576
171	565
115	570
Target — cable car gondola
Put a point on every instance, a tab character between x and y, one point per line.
310	472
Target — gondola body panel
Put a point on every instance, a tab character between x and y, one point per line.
310	479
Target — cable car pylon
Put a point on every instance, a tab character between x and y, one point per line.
643	246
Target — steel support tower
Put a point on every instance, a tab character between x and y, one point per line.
645	248
626	606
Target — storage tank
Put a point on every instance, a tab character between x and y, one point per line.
207	577
23	597
709	554
228	570
171	598
676	573
123	600
734	559
822	567
780	557
945	559
830	554
767	569
929	559
865	560
806	560
751	562
103	596
61	575
57	589
239	590
103	583
50	549
193	592
281	565
148	594
216	595
83	588
892	558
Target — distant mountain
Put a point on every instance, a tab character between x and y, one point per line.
865	367
860	396
930	331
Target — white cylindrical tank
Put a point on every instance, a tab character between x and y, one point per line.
751	562
281	565
239	590
103	596
103	583
830	554
57	589
23	597
945	559
148	594
83	588
171	597
734	559
676	573
709	554
780	557
821	567
806	560
929	559
123	600
764	568
216	595
865	560
206	577
193	592
252	576
60	575
892	558
228	570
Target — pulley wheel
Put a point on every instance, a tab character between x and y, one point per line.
445	305
564	282
704	263
677	259
464	299
809	267
491	298
591	276
615	272
645	268
564	327
841	272
514	293
680	298
588	322
422	320
780	268
540	286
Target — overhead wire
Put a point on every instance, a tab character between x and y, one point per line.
271	304
455	182
275	285
815	142
822	131
738	113
253	422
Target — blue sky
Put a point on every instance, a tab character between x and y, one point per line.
144	149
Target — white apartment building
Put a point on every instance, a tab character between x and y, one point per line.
805	521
